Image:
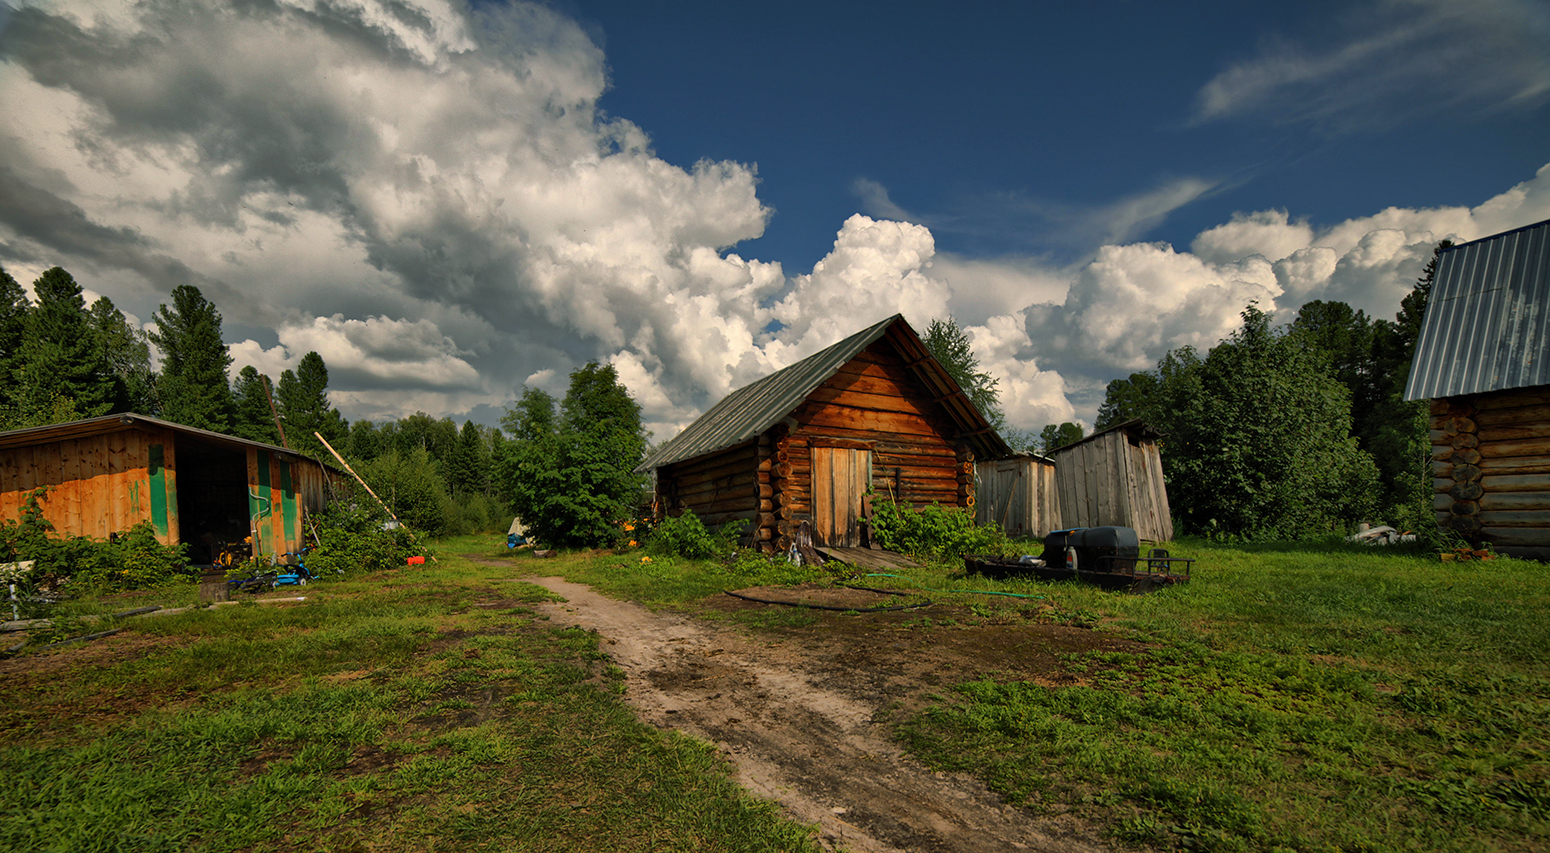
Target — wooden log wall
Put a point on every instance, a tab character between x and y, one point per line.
1491	469
1111	481
719	488
1019	494
874	403
101	484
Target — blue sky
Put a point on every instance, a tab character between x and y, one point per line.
451	203
995	122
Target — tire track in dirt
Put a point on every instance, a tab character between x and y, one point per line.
798	738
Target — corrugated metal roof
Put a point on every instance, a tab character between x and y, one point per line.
1487	325
111	423
752	409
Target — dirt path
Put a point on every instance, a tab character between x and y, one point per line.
802	721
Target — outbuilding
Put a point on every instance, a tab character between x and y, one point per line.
1483	360
105	475
873	415
1115	477
1019	494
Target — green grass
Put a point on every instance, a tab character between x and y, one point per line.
400	711
1322	697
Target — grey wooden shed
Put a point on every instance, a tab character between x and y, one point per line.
1115	477
1019	494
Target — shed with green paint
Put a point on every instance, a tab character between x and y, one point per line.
105	475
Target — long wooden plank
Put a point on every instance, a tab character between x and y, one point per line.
873	402
1515	517
1518	465
823	494
1516	535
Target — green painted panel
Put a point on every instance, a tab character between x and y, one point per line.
158	471
261	503
288	506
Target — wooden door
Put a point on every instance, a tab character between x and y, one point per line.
841	477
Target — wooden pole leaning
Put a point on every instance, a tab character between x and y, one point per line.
385	507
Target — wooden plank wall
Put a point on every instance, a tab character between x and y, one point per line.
101	484
1491	469
1109	481
279	495
1020	494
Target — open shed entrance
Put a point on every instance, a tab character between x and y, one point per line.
841	477
212	497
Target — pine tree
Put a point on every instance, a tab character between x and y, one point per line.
126	352
13	327
949	345
192	387
253	418
60	360
470	462
304	407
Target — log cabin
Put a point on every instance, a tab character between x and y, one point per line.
107	474
1483	360
1115	477
874	414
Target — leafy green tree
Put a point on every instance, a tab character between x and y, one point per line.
253	419
126	353
437	437
1259	438
569	475
1053	437
1126	400
192	388
950	346
59	357
366	441
304	407
411	485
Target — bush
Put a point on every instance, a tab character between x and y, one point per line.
351	539
935	532
412	486
131	560
686	536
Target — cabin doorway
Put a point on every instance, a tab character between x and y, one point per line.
841	477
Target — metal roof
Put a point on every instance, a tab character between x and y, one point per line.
1487	325
752	409
113	423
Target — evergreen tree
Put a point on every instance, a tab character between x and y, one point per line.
192	388
60	359
14	306
304	407
570	476
253	418
470	462
950	346
126	352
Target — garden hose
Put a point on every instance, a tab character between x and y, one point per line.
975	591
892	609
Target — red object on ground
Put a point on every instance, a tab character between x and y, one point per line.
416	561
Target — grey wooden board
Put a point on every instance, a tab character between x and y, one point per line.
866	558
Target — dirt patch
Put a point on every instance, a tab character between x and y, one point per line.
804	713
33	703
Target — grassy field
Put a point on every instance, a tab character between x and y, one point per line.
417	710
1296	697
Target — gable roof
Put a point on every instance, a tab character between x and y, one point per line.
113	423
754	408
1487	325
